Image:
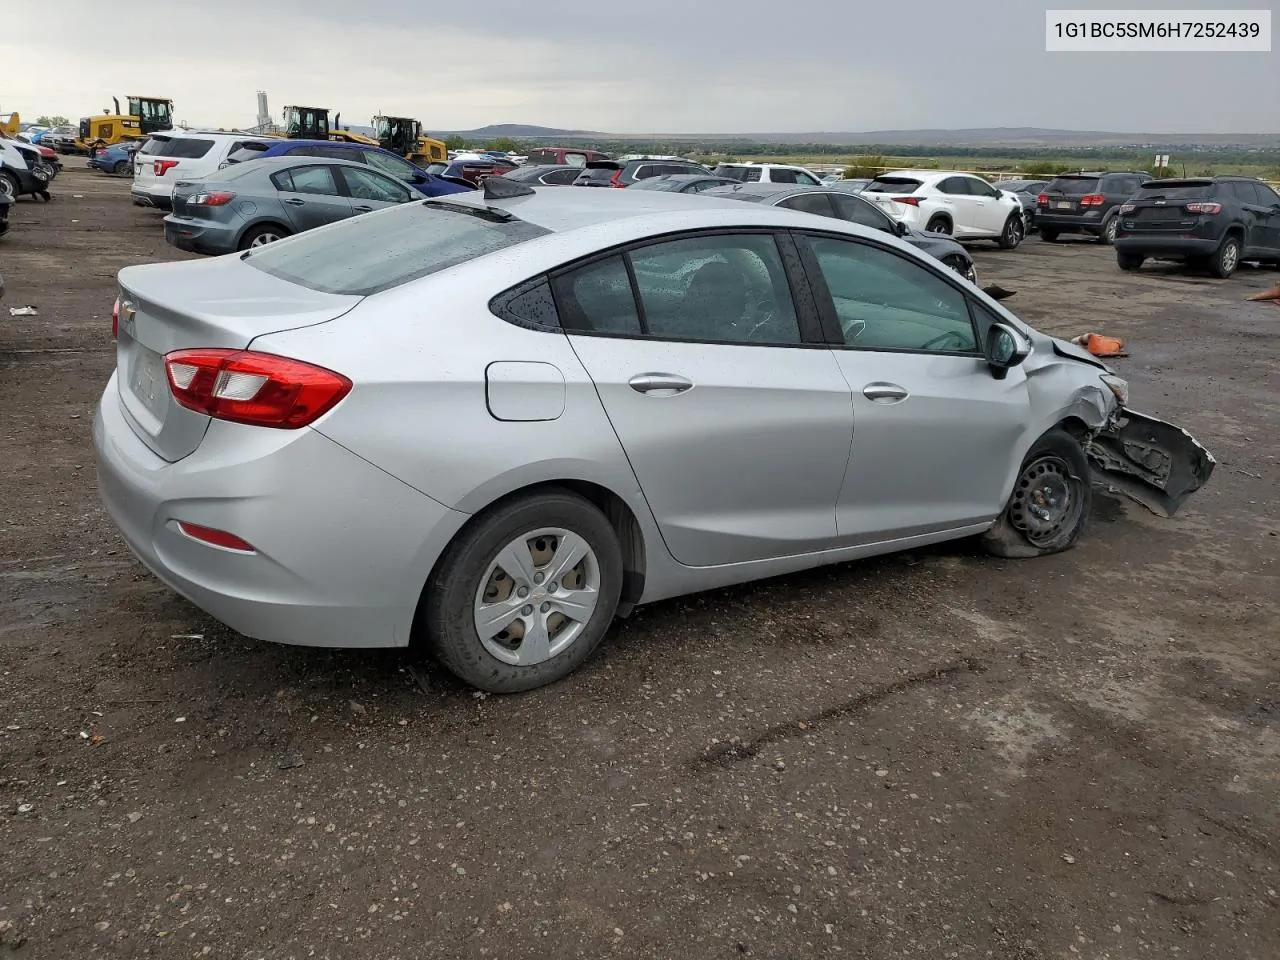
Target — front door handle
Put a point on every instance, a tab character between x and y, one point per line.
885	393
662	384
295	202
363	209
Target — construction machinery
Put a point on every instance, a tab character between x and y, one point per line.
312	123
11	126
145	116
403	135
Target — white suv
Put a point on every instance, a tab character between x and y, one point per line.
768	173
177	155
959	204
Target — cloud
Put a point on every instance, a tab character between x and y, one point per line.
664	66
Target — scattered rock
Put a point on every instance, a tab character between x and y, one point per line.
290	761
135	817
1068	858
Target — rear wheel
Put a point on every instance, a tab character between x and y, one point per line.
1223	263
262	235
1048	234
1049	506
9	185
121	166
1109	230
526	593
1012	233
1129	261
939	225
962	266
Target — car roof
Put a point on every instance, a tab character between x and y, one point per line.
686	177
340	144
759	191
560	210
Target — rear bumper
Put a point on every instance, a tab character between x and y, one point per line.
1154	245
200	236
152	194
342	548
1070	222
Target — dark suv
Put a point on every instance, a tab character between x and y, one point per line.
1212	222
623	173
1085	203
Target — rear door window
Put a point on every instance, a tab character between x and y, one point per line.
597	298
818	203
186	148
859	211
782	175
317	179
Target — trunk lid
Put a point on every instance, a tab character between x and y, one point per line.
219	302
1064	193
1162	205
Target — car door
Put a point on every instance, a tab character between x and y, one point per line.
370	190
1255	216
935	436
734	416
962	206
1269	202
856	210
990	207
311	195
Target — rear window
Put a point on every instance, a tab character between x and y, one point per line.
1181	190
247	152
1073	186
597	175
733	172
184	148
366	255
153	144
892	185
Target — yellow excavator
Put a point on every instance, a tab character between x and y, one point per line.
403	135
312	123
145	115
11	126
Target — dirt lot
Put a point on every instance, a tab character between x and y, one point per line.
932	755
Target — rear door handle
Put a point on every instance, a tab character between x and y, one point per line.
665	384
885	393
295	202
363	209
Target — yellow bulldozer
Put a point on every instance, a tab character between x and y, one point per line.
145	115
403	135
312	123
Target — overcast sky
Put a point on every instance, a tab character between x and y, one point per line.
662	66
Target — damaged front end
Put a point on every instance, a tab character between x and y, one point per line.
1150	461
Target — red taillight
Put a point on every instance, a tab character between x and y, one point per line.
1092	200
260	389
211	198
115	319
219	538
1042	200
909	201
1127	208
1203	207
616	179
161	167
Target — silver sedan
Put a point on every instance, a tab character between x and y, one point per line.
492	422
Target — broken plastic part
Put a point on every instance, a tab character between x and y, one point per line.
1150	461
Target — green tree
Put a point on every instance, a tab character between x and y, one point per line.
48	121
456	143
864	167
505	144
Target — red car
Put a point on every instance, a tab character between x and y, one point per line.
472	172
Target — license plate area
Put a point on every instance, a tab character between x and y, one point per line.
147	380
1063	205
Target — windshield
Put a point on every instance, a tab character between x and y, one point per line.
369	254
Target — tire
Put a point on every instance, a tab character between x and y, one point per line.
938	225
1109	228
1224	262
1057	464
9	185
1048	234
1012	233
1129	261
260	235
121	166
471	577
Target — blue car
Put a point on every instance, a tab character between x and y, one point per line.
382	160
117	158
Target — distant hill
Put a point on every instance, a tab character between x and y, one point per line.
1020	137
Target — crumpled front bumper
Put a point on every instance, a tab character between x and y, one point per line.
1153	462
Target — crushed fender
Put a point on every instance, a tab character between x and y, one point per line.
1150	461
1101	346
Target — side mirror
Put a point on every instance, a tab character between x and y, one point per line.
418	178
1005	348
900	228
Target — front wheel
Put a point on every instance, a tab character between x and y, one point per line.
1048	234
1049	506
938	225
9	185
526	593
1012	233
962	266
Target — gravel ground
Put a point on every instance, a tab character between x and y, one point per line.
929	755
